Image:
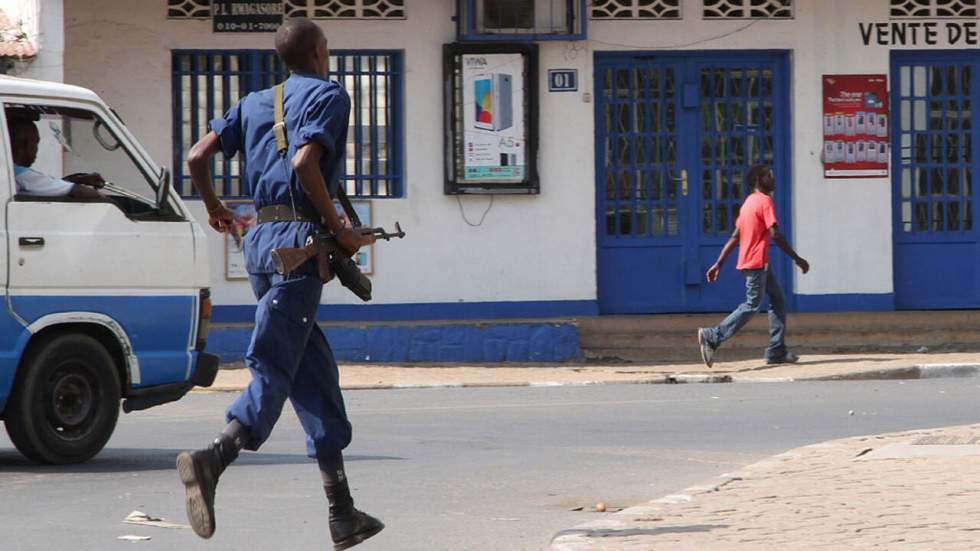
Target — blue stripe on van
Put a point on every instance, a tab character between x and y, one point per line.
158	327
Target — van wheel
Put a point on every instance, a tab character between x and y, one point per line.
65	401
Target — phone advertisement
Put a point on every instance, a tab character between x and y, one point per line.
855	126
493	118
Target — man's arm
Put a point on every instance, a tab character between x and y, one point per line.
780	240
82	191
306	164
715	269
199	162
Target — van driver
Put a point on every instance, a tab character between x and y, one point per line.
24	139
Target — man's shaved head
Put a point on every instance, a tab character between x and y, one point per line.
296	40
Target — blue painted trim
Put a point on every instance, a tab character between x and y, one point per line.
428	311
457	343
884	302
466	27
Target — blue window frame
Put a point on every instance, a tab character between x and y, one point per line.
521	20
206	83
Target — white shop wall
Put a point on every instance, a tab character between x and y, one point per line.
537	248
528	248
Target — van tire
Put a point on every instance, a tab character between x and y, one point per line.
65	402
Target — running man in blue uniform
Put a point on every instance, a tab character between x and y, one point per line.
288	355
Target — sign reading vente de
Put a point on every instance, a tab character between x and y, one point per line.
246	16
562	80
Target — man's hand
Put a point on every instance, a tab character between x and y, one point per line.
220	218
803	264
352	240
713	272
91	179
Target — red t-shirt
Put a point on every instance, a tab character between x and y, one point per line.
756	216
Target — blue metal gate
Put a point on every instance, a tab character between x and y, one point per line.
675	135
935	193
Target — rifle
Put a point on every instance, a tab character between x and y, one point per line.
288	259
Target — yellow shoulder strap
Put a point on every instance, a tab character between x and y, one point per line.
280	123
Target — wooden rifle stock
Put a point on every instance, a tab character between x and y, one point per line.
288	259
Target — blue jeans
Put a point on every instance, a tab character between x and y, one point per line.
290	359
756	281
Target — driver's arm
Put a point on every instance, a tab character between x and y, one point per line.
79	191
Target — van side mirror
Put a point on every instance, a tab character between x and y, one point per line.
163	191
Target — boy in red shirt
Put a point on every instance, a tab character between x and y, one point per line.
756	225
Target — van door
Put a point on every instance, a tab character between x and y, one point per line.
118	257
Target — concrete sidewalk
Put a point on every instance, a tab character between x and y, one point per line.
810	368
911	490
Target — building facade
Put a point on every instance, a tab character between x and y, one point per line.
639	165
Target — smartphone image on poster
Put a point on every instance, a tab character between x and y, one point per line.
882	125
861	119
492	95
862	152
850	125
850	157
828	125
882	152
871	124
838	124
839	154
829	152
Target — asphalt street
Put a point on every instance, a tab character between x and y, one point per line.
453	469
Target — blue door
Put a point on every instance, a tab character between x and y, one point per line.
934	186
675	134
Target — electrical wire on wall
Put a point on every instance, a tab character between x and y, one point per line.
678	46
482	217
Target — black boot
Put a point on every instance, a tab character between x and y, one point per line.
199	471
348	526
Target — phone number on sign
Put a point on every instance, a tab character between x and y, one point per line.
248	26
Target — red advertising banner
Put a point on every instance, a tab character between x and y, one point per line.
855	126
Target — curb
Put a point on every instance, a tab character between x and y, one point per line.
588	536
921	371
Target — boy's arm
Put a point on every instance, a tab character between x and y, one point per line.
780	240
715	269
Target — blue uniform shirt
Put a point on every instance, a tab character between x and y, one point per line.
315	110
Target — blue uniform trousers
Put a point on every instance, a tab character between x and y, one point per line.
289	358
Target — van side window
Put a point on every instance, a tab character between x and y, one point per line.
55	149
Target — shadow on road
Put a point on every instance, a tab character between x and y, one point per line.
139	459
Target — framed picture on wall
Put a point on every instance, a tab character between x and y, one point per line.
245	219
365	256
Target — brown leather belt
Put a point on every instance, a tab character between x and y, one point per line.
285	213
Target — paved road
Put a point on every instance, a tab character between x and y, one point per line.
454	469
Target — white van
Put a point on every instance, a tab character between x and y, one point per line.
106	299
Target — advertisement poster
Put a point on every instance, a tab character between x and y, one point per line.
245	220
494	141
855	126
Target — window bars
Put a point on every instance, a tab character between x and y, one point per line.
206	83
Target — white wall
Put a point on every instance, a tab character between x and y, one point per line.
529	248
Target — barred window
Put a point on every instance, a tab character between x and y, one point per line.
206	83
314	9
635	9
933	8
748	9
